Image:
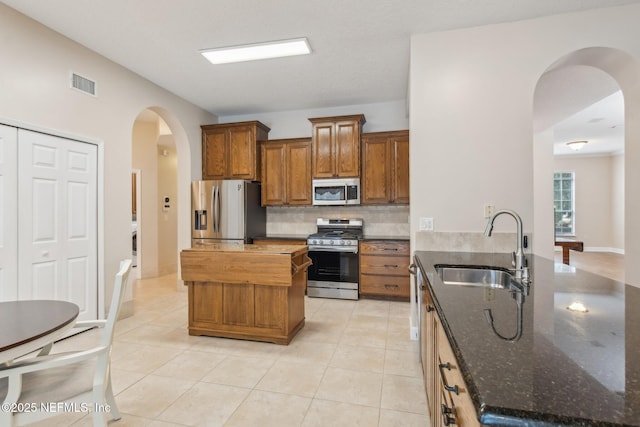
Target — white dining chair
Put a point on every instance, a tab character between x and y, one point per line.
34	388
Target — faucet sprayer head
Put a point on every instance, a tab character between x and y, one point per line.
489	229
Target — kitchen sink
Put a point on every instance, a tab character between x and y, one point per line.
487	277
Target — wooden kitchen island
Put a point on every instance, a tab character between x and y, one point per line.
252	292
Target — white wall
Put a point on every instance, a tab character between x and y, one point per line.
471	112
144	158
380	117
167	219
595	205
34	88
617	201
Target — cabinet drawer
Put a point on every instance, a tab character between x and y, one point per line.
384	285
385	248
385	265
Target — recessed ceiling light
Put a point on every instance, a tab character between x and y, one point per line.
255	51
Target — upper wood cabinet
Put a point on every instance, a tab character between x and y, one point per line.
231	150
336	146
385	168
286	172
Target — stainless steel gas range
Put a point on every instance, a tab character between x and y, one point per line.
334	252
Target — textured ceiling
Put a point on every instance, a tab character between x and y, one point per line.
360	47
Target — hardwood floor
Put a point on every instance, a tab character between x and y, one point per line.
605	264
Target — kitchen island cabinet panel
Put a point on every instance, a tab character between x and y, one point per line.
253	292
237	303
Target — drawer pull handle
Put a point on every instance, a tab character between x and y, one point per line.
391	286
391	266
430	309
447	387
446	419
390	249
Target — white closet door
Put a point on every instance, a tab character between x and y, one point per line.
57	210
8	214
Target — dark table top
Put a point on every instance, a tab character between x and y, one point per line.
568	368
25	321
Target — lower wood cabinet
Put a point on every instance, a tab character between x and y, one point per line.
384	269
448	398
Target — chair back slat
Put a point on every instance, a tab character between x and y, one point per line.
116	300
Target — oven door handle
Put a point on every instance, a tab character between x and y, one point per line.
333	249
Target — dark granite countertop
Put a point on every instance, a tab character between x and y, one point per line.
567	368
368	237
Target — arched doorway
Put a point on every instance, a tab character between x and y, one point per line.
161	156
624	70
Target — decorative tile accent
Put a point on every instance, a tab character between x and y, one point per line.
378	220
465	242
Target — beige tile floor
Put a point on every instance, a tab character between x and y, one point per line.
605	264
352	365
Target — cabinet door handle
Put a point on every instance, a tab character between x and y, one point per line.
446	419
447	387
430	309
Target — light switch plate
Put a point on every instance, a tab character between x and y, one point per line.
489	210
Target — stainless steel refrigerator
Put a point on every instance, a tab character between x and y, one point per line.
226	211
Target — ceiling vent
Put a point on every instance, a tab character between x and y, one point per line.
83	84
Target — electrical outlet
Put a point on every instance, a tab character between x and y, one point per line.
489	210
426	224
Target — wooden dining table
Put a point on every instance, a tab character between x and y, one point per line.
29	325
568	244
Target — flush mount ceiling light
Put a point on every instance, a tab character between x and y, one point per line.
252	52
576	145
577	307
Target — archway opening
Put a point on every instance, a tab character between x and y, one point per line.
160	154
578	80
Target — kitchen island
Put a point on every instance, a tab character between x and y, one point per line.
556	366
253	292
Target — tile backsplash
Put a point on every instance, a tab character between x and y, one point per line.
465	242
378	220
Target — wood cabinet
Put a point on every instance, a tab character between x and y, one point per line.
286	172
336	146
385	168
384	269
448	398
258	295
232	150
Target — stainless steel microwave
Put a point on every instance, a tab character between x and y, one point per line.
335	192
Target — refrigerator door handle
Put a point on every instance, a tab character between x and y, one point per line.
216	209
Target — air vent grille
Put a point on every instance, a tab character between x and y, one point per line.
83	84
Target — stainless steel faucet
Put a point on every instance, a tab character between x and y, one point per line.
521	270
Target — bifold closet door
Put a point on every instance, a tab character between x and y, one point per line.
57	220
8	213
